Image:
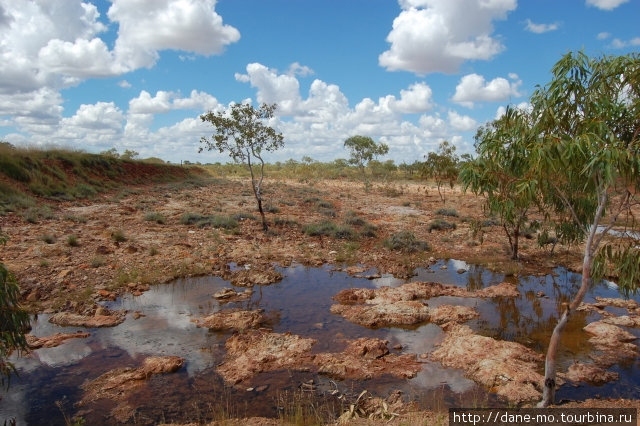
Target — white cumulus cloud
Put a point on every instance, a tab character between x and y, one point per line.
474	88
540	28
146	27
606	4
439	35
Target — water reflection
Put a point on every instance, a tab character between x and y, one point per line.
299	304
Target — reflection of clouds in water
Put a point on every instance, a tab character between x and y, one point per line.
387	280
14	403
458	264
167	327
71	351
433	374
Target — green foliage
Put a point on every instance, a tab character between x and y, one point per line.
362	149
330	229
405	241
442	166
215	221
118	236
14	321
155	217
447	212
72	241
501	172
440	224
243	134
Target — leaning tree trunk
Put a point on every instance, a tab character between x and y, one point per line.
549	389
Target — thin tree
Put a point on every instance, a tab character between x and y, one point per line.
501	172
442	166
362	150
243	133
587	160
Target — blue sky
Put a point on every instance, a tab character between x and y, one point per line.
135	74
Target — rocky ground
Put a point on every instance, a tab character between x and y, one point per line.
88	252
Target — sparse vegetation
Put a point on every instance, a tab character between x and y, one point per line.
440	224
72	240
447	212
215	221
406	241
118	236
155	217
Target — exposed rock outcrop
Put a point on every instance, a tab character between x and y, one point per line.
256	351
507	368
232	319
54	340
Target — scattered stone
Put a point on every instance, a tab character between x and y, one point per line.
613	342
69	319
256	351
53	341
251	277
632	321
590	373
419	290
507	368
365	359
456	313
230	295
628	304
383	315
138	315
233	319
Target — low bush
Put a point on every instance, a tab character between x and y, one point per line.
447	212
406	241
155	217
330	229
440	224
215	221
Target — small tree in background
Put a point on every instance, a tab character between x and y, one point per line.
242	133
442	166
362	149
501	172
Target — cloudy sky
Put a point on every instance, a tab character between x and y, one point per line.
137	74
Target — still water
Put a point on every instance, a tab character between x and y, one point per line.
49	382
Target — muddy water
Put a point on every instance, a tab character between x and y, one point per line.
49	382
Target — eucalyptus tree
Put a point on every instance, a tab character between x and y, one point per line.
501	172
442	166
244	135
14	320
586	159
362	150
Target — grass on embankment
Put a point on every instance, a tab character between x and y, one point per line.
64	175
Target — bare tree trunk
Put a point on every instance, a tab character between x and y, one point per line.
256	190
549	390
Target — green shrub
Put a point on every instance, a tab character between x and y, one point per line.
243	216
440	224
48	238
82	190
72	240
155	217
225	222
330	229
405	241
368	231
97	262
118	236
325	228
447	212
